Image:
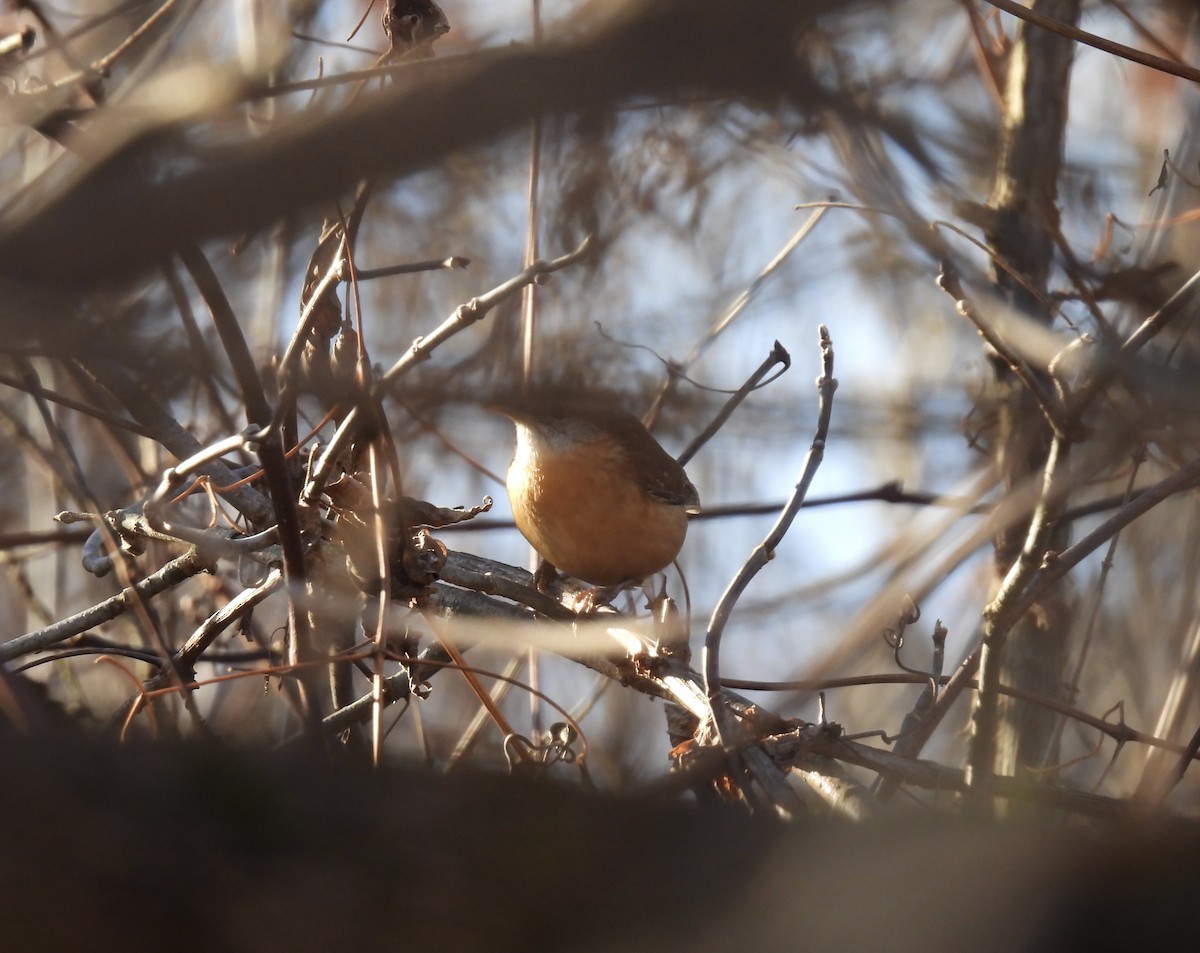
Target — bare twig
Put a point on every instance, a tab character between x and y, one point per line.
270	455
308	315
422	348
180	668
105	63
62	400
165	429
1159	63
733	309
413	267
1053	569
765	551
42	538
529	320
1050	406
258	411
778	356
1102	372
933	776
169	576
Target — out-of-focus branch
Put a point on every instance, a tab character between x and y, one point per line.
146	409
1023	213
1069	30
463	317
139	201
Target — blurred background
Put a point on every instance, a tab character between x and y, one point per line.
729	207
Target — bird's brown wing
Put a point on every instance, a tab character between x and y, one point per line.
663	478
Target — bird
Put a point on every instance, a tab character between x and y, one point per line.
592	491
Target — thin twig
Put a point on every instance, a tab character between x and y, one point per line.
62	400
765	551
105	63
937	777
529	324
43	537
1051	407
1055	568
166	430
1098	591
382	537
1102	372
422	349
258	411
482	717
998	620
270	455
413	267
203	363
1100	43
308	315
777	357
734	308
170	575
963	678
183	662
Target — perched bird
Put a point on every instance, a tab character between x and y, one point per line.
593	492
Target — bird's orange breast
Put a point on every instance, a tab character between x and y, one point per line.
585	511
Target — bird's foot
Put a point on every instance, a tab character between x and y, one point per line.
543	576
588	601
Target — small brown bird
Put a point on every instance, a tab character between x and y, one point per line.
593	492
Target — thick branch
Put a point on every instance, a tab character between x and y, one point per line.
143	200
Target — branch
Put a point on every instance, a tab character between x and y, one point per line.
778	355
422	348
1174	67
936	777
165	429
170	575
140	201
765	552
180	668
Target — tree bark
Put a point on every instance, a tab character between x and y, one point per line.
1011	736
